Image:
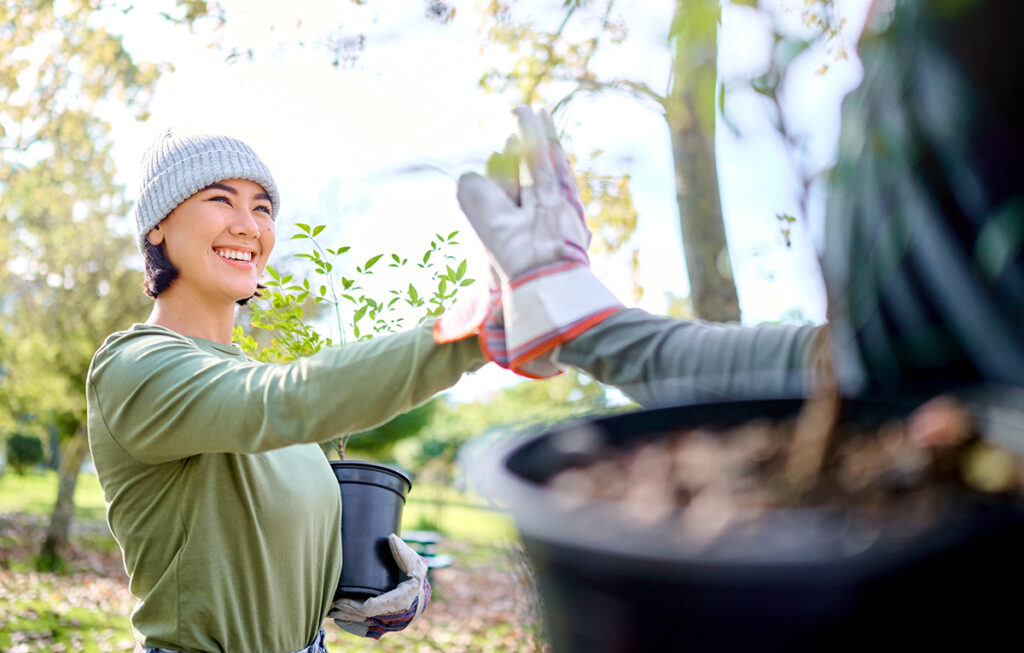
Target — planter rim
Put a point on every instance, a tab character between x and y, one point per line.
542	521
373	467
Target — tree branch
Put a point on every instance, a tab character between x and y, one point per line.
638	90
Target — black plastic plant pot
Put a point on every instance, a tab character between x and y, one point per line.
372	499
802	583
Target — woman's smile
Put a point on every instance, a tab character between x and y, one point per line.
237	257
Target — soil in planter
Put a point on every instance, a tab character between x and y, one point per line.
702	483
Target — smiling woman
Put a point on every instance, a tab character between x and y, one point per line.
218	241
226	510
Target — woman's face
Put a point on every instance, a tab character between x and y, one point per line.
219	239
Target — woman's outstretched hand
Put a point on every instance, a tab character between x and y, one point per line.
393	610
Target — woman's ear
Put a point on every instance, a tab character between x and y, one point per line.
155	236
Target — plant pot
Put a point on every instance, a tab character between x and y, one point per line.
372	499
800	584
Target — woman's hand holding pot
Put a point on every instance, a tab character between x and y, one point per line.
393	610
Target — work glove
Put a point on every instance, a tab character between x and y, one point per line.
392	610
538	246
480	313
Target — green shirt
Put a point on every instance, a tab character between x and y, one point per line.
659	360
225	509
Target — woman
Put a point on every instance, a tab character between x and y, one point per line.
226	511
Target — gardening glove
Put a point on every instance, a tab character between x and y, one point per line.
392	610
538	246
481	312
478	312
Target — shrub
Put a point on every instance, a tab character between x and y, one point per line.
23	451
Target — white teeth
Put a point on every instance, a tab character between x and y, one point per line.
234	254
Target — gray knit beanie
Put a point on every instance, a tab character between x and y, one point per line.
176	167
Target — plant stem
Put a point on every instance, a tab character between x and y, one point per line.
334	296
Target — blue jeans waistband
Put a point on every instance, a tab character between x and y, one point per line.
318	645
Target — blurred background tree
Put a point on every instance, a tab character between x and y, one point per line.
67	279
557	63
550	61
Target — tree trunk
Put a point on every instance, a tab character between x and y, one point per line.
690	113
54	462
712	289
63	511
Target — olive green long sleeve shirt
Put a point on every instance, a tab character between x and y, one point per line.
659	360
226	511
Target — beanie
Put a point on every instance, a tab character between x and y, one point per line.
175	167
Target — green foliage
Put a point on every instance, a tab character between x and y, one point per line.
360	312
549	60
67	269
608	200
67	259
524	406
283	325
378	442
23	451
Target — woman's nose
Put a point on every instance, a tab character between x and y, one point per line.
244	225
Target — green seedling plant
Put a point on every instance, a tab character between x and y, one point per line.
358	309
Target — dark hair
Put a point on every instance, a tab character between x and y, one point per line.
159	273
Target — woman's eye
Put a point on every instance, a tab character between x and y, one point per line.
220	198
265	209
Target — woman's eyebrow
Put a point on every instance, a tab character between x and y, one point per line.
225	187
234	191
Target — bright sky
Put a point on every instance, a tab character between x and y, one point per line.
337	139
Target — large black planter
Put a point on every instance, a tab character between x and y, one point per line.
372	499
799	585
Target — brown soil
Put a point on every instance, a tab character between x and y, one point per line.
703	482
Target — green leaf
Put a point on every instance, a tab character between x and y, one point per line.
371	261
303	226
319	228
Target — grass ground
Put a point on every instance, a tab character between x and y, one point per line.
458	515
483	602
